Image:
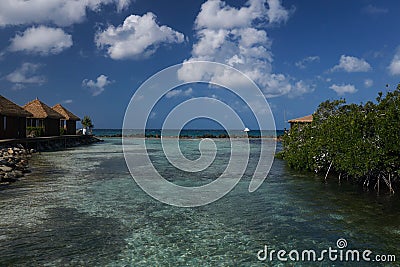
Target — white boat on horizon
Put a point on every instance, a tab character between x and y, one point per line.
246	130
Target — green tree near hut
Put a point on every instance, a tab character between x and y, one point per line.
357	142
87	123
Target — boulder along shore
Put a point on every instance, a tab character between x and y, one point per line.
14	163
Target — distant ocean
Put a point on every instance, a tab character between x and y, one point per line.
188	133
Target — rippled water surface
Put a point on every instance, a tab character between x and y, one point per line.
81	207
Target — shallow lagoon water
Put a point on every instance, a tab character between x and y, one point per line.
81	207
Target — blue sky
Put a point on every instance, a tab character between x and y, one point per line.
91	56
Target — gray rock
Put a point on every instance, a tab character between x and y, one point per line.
9	175
19	167
20	146
17	174
5	168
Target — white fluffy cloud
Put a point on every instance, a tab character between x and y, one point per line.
60	12
374	10
302	64
41	40
276	13
122	4
368	83
352	64
97	87
179	92
237	37
343	89
138	36
301	87
216	14
394	67
26	74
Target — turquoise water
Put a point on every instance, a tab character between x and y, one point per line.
80	207
187	132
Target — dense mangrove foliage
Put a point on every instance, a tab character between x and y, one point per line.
360	143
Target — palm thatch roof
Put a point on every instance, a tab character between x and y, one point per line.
305	119
68	115
40	110
9	108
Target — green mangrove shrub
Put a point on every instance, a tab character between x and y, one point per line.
360	142
34	131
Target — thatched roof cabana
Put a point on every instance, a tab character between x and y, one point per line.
43	117
301	120
9	108
40	110
12	119
305	119
68	115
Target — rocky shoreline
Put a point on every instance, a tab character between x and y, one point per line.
60	144
14	163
